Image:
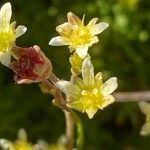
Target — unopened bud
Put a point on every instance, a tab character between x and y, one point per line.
31	65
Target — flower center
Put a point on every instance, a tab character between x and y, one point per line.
77	36
22	145
91	98
80	36
6	40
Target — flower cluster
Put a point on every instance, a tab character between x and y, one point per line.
31	65
86	94
90	93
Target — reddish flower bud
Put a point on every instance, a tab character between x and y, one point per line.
31	65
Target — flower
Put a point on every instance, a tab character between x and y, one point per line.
76	63
31	65
78	36
8	33
90	94
42	145
59	145
20	144
145	108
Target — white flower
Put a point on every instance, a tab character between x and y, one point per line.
90	93
8	33
20	144
78	36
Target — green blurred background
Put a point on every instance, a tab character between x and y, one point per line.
123	51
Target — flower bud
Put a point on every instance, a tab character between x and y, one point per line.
31	65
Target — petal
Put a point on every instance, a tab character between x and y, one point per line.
79	83
98	28
92	23
68	88
88	72
77	105
22	135
57	41
5	16
20	30
64	29
13	25
91	112
73	19
107	101
5	58
41	145
98	79
109	86
82	51
145	107
6	144
94	40
145	129
98	76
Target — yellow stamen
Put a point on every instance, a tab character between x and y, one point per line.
7	39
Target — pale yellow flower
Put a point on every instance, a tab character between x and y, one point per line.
8	33
59	145
42	145
78	36
20	144
90	93
145	108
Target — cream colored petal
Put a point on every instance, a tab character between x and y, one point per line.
82	51
98	28
91	112
68	88
107	101
88	72
145	129
79	83
22	135
64	28
6	144
99	76
5	58
92	23
41	145
73	19
57	41
13	25
144	107
94	40
77	105
20	30
5	16
109	86
98	79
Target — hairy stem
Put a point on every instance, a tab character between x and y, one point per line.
70	122
69	130
132	96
